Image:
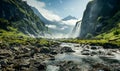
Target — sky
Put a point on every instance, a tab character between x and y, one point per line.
59	9
64	8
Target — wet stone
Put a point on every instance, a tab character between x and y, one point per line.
67	49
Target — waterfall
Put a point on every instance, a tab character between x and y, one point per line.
76	30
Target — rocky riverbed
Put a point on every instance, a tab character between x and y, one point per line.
59	57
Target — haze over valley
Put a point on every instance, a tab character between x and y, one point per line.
61	19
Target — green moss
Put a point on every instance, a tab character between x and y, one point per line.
2	20
15	38
87	41
88	36
100	42
116	32
4	23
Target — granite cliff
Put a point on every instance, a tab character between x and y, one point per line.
100	16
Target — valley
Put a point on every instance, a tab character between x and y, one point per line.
51	55
49	35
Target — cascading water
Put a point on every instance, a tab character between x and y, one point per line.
76	30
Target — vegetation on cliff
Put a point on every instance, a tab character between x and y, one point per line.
18	15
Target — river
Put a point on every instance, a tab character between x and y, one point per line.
85	58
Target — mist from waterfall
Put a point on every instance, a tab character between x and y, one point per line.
73	33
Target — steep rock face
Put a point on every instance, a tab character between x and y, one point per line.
96	15
21	16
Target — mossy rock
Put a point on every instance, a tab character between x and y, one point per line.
45	50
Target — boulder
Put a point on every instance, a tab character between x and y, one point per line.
67	49
111	46
53	52
94	53
85	52
41	67
5	53
45	50
94	47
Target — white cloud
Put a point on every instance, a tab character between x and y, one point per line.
41	7
47	13
71	22
64	27
52	26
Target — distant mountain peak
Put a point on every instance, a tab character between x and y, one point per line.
69	17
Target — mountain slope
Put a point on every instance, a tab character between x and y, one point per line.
69	18
43	19
54	27
21	17
100	17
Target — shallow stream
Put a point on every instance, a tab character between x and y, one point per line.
84	61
